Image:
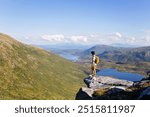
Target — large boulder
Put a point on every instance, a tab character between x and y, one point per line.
106	82
109	88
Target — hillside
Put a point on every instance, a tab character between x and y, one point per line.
99	49
141	54
118	54
27	72
136	60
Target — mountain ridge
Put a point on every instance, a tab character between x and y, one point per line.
118	54
128	55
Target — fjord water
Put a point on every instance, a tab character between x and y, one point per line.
69	56
120	75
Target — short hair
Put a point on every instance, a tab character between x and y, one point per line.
93	52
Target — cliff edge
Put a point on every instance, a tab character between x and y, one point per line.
109	88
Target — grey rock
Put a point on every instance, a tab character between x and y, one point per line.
88	81
106	82
113	89
148	73
84	94
114	81
145	94
141	83
116	89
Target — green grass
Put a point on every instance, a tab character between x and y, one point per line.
32	73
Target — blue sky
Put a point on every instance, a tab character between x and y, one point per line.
77	21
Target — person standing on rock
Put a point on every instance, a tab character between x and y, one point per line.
95	61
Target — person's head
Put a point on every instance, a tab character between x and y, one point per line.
93	52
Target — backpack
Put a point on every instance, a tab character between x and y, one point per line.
97	60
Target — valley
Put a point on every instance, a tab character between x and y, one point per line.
131	59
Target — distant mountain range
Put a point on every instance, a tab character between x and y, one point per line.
124	45
119	54
27	72
99	49
110	53
132	55
64	46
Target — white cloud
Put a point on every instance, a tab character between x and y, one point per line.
108	38
97	38
114	37
117	34
130	40
147	39
79	39
138	41
54	38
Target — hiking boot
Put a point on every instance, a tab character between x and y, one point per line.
90	76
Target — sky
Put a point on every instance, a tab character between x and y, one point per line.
77	21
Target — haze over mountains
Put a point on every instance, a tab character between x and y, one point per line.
107	52
131	59
27	72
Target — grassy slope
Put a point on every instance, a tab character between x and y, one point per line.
31	73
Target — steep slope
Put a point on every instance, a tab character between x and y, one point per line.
31	73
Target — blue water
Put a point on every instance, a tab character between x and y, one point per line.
69	56
120	75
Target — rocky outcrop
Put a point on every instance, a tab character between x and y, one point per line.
105	87
106	81
84	94
145	94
